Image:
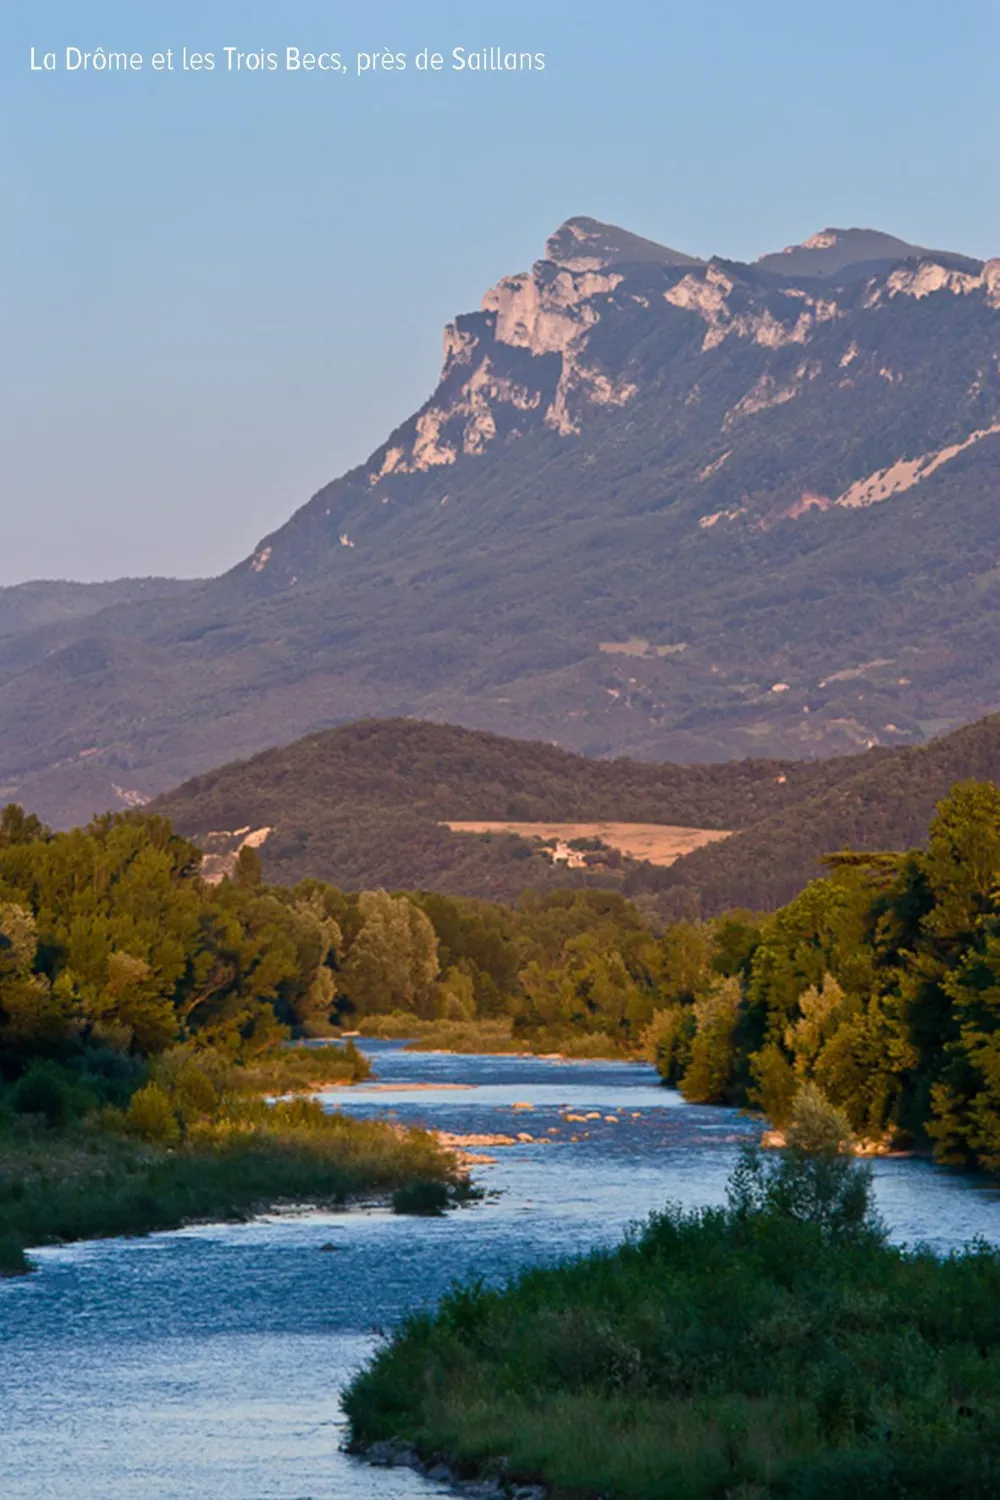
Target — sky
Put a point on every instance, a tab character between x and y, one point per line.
222	289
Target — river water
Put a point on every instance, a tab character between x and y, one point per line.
207	1364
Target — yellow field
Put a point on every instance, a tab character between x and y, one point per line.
659	843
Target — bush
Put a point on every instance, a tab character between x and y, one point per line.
43	1090
13	1261
830	1191
151	1117
818	1127
427	1198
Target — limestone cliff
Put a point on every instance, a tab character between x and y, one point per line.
535	354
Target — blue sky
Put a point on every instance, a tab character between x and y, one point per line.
221	290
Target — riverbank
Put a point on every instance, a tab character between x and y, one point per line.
494	1038
775	1349
198	1143
238	1340
94	1186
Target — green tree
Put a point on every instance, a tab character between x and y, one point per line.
710	1074
393	962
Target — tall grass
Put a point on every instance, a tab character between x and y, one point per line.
75	1187
194	1142
760	1351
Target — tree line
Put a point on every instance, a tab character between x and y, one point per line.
110	938
878	986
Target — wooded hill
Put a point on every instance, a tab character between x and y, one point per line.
887	803
362	806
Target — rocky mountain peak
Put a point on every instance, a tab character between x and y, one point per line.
832	252
584	244
545	350
650	508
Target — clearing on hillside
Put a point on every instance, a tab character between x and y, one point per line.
658	843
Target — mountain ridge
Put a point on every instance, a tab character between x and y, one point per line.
781	487
363	805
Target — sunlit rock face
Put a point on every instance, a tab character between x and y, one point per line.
548	346
523	358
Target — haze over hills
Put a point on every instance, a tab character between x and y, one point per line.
363	807
26	606
656	506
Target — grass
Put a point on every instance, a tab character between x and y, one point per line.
193	1144
750	1353
444	1035
295	1068
487	1036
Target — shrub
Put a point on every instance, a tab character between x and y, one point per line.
151	1117
43	1090
818	1127
13	1261
829	1190
427	1198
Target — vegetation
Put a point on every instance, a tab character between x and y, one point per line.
775	1349
158	1167
879	987
362	807
143	1015
885	802
478	1036
449	773
27	606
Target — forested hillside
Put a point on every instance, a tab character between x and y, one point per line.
28	606
362	806
886	804
443	771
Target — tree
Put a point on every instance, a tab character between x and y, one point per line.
393	962
33	1015
666	1041
816	1126
249	868
709	1076
18	827
685	963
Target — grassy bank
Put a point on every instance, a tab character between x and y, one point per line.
489	1036
193	1143
776	1348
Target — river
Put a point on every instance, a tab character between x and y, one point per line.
207	1364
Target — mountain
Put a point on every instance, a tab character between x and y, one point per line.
26	606
583	244
363	806
656	506
856	252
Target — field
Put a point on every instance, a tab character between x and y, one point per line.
658	843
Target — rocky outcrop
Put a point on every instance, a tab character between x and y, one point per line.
522	359
534	355
907	472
